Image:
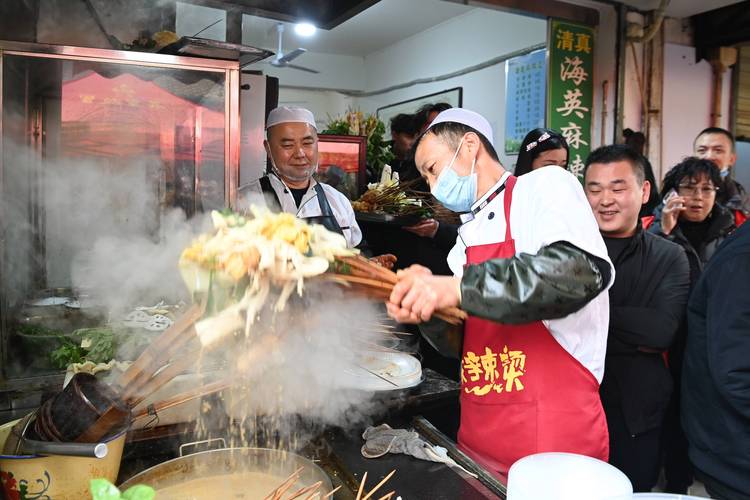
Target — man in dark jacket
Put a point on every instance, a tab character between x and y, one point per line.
718	145
716	373
647	304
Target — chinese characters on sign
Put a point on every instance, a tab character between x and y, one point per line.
524	97
571	88
490	371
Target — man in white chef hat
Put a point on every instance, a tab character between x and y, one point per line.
531	270
292	145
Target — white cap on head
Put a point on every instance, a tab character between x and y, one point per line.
288	114
468	118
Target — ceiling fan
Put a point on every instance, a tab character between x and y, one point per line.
283	60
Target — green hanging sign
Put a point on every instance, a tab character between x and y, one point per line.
570	95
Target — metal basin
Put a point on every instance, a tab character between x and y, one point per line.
222	465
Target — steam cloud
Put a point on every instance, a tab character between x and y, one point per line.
105	232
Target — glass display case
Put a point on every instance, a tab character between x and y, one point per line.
96	147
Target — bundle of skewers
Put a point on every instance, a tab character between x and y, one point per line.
88	410
313	492
375	281
402	198
393	198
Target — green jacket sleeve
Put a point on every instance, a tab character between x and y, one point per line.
559	280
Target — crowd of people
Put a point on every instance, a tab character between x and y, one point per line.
674	385
660	254
602	321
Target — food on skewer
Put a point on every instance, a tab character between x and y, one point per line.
391	196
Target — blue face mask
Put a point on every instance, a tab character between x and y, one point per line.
457	193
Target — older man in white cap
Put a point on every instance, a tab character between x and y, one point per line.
529	268
292	145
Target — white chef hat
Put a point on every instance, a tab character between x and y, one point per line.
468	118
287	114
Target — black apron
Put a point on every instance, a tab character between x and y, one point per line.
326	219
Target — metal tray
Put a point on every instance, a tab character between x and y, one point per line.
202	47
388	219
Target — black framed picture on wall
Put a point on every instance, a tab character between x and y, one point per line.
454	97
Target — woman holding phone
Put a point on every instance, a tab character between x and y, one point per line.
689	214
691	217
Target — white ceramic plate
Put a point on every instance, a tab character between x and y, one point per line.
400	368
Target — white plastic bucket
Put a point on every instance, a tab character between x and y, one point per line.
566	476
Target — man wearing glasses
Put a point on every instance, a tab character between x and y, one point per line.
690	216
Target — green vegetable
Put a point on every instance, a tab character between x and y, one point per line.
67	354
101	489
102	343
101	347
139	492
37	330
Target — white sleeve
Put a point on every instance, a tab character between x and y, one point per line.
457	257
354	236
555	208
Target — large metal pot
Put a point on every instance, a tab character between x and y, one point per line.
226	463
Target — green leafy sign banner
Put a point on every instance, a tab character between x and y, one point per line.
570	95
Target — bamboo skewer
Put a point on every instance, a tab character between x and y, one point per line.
143	367
312	491
313	487
283	487
361	486
184	397
369	268
330	495
377	282
381	483
135	394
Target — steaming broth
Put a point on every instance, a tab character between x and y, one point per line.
241	485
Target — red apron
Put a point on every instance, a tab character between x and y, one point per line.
521	392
